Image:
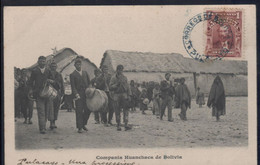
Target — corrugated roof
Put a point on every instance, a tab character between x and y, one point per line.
171	62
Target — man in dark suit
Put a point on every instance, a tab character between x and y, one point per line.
39	77
79	82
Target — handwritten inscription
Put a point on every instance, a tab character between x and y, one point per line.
100	160
77	162
35	161
112	163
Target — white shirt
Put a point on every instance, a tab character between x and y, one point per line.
42	69
80	72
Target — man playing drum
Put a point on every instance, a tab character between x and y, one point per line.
56	81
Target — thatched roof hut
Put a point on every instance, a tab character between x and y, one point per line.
170	62
148	66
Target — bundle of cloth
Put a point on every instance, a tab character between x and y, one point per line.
96	100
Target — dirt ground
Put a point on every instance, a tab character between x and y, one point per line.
200	130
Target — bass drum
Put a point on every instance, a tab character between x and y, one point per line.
96	100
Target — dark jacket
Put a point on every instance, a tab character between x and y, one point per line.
37	80
101	82
135	92
166	89
79	83
104	80
94	82
23	87
118	85
183	95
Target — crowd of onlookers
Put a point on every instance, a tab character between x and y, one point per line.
147	95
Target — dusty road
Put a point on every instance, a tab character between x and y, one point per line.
201	130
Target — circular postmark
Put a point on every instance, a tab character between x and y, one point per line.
222	30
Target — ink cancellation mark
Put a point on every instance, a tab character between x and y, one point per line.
223	35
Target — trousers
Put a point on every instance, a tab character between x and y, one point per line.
17	103
108	115
27	107
119	106
43	107
156	106
97	116
183	109
82	113
166	102
56	106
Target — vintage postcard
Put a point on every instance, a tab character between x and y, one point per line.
130	85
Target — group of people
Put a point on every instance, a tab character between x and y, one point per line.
121	96
161	96
118	93
28	89
177	95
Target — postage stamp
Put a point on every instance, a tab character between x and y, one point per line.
224	32
223	35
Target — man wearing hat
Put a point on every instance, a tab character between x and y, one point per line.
79	80
39	77
120	93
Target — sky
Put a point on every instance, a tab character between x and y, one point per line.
90	31
30	32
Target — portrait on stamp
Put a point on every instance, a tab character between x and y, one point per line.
224	32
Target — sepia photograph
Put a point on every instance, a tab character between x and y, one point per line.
130	84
